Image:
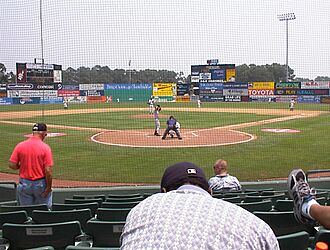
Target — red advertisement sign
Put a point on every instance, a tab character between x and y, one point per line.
66	93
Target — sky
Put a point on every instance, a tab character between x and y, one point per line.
166	34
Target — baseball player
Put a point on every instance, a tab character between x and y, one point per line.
171	125
156	117
172	132
151	105
292	103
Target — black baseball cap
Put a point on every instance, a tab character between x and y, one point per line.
181	173
39	127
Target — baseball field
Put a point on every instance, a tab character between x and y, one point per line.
114	142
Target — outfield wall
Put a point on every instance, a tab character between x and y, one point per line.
56	93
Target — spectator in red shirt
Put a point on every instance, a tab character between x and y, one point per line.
33	158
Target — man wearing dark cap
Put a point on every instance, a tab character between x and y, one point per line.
33	158
185	216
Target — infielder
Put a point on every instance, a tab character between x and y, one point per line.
157	122
292	103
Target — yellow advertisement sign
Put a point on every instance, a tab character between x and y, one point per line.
164	89
230	75
261	85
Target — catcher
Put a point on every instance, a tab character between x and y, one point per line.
171	125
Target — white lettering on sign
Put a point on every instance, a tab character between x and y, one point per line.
261	92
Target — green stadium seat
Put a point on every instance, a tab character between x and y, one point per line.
105	233
57	235
46	217
273	198
93	206
112	214
79	201
28	208
18	217
10	203
119	204
125	199
283	222
235	199
283	205
262	206
41	248
90	196
322	235
90	248
124	195
295	241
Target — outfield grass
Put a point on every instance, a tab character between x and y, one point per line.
270	156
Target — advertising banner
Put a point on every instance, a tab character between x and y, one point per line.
205	76
230	75
182	99
96	99
69	87
164	89
218	74
259	98
286	92
3	87
194	78
210	86
287	85
231	98
68	93
76	99
211	91
313	92
235	85
261	92
33	86
285	98
32	93
93	86
235	92
51	100
26	100
309	99
91	92
315	85
3	93
127	86
211	98
182	89
261	85
325	99
6	101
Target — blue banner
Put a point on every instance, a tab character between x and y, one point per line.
6	101
309	99
26	100
69	87
51	100
218	74
210	85
127	86
236	85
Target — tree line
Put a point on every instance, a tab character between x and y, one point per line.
103	74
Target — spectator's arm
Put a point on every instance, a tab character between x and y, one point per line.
49	180
13	165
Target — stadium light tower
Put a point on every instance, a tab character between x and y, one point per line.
286	17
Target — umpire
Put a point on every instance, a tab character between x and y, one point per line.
171	125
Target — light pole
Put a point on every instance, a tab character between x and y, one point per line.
286	17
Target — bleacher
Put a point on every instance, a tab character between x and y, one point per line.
94	218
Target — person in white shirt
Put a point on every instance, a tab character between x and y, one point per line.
222	181
185	216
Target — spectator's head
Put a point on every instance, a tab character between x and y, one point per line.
40	130
220	167
183	173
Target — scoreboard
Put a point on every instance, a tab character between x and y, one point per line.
38	73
